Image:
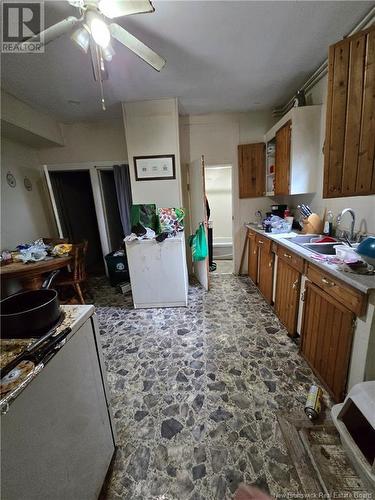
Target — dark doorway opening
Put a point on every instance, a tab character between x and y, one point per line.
111	210
76	208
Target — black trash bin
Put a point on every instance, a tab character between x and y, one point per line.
117	268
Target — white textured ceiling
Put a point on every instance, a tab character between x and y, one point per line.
221	56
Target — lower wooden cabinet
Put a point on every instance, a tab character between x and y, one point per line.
252	263
288	283
265	280
326	339
260	264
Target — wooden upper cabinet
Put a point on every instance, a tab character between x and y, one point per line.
282	159
251	171
350	124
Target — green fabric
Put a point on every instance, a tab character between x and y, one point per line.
146	215
198	243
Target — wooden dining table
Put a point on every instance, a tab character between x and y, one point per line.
31	274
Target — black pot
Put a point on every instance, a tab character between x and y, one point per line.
31	313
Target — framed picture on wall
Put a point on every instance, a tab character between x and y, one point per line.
154	168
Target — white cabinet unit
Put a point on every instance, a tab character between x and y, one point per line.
158	272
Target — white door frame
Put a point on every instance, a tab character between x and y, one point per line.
93	168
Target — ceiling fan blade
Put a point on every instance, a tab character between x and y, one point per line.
119	8
54	31
136	46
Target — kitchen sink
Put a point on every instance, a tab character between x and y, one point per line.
324	248
305	242
303	239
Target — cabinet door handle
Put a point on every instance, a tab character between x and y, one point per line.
270	263
327	282
287	256
294	286
260	242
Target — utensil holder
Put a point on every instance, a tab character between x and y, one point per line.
312	224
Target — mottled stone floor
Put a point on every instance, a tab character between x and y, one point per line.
223	266
195	393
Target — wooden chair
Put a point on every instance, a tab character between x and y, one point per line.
54	241
77	275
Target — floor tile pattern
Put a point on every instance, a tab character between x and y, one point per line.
223	266
196	391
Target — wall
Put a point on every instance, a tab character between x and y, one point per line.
219	195
25	215
217	136
20	122
89	141
29	215
151	128
364	206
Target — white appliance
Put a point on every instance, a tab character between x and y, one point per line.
355	421
57	435
158	272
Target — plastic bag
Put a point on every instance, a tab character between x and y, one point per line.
198	243
171	219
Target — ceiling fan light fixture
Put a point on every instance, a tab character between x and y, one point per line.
82	38
98	29
108	52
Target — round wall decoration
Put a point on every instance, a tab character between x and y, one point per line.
27	183
11	180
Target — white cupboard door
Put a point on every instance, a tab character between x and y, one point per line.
198	214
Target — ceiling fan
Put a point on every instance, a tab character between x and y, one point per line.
94	31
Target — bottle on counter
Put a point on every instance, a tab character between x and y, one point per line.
328	225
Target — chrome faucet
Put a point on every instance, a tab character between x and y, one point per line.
339	219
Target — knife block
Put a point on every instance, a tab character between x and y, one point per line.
312	224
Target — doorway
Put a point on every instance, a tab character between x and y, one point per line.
75	205
218	182
111	211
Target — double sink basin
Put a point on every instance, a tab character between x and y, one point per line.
306	243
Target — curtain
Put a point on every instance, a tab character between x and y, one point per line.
124	195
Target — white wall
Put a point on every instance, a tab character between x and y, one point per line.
22	122
89	142
219	194
364	206
151	128
25	215
217	136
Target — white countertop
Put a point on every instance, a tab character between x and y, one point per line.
364	283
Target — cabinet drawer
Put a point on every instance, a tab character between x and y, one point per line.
291	258
354	300
263	243
251	234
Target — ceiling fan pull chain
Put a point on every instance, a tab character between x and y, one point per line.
100	63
